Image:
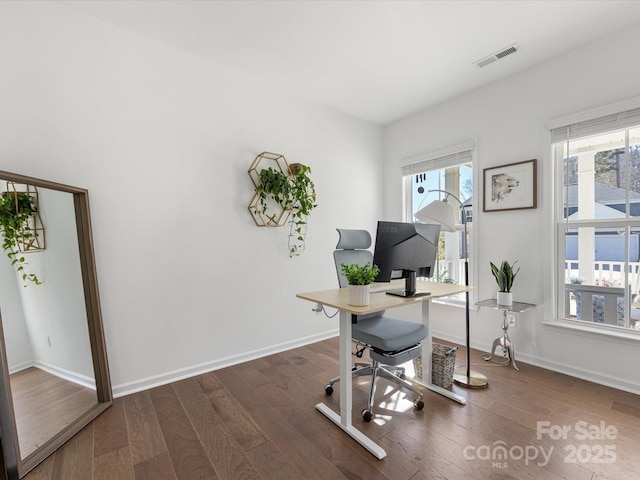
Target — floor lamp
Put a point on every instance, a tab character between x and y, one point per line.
440	211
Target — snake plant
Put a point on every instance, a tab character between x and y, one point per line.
505	275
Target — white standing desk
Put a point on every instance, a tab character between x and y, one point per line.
337	298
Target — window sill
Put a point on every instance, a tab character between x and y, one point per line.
454	303
613	333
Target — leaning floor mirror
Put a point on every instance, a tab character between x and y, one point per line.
55	376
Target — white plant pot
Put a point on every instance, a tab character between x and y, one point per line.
505	298
359	295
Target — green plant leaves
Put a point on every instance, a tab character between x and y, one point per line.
504	275
274	184
295	192
360	274
15	210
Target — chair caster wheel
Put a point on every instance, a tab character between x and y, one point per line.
328	390
418	404
366	415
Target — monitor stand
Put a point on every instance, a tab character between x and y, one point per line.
409	287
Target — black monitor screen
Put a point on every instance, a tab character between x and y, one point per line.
405	250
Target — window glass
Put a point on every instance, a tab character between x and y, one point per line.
632	181
598	226
594	178
458	180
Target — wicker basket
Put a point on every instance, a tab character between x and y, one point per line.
443	362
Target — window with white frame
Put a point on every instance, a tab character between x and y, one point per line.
451	173
597	220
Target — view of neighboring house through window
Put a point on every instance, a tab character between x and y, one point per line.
597	165
453	174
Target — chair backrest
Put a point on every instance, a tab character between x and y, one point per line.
351	248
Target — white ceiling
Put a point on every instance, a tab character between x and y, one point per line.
376	60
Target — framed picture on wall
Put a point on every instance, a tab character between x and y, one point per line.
510	187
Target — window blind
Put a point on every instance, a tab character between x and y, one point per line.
608	123
437	163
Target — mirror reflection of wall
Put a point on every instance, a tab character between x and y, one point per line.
45	328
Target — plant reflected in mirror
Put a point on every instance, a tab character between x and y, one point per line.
16	210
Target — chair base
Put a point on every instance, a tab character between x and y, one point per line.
377	370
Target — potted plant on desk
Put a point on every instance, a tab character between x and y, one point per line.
505	275
359	278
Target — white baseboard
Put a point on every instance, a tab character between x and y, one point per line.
180	374
78	379
583	374
20	367
591	376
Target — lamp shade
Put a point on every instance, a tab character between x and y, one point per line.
440	212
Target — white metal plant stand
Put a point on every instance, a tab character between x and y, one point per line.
508	348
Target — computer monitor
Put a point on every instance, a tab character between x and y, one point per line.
405	250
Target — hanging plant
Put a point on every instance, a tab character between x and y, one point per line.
15	210
275	185
303	194
296	193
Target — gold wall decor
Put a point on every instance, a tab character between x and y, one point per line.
282	193
33	239
275	214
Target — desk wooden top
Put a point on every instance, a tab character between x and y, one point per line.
338	298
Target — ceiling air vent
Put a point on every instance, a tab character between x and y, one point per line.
497	56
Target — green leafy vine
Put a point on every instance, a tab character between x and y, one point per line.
295	192
15	210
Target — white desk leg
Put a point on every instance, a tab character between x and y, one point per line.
426	360
344	419
346	392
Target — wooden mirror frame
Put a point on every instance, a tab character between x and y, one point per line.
15	466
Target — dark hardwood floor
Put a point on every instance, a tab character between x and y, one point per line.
257	421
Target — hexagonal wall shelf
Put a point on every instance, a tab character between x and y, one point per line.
275	215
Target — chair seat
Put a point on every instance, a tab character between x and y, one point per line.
388	334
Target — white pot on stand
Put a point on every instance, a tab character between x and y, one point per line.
359	295
505	298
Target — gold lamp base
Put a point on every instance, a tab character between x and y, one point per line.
474	380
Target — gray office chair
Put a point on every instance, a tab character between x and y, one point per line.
390	341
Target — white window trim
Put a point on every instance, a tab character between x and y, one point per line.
409	164
551	191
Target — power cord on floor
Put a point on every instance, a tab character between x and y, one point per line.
488	357
489	362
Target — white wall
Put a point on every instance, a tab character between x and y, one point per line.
163	140
16	337
506	119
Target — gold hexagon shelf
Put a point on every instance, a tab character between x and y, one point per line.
35	241
275	215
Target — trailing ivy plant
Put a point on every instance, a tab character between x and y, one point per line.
303	194
295	192
15	210
274	184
